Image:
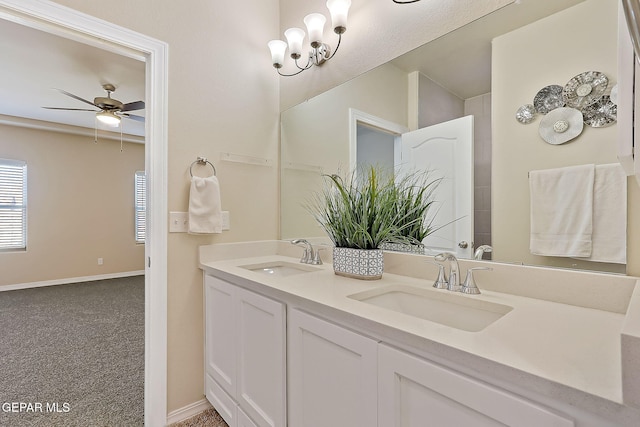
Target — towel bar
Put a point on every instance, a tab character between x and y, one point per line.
201	161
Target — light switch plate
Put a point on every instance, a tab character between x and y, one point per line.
226	221
178	222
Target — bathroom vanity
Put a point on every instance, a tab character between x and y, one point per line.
290	344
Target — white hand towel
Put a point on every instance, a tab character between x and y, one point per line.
205	214
562	211
609	239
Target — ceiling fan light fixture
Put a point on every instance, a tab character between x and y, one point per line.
108	118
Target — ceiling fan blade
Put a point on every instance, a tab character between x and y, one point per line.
70	109
75	96
134	117
131	106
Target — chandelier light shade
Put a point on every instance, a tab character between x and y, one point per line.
320	52
315	27
278	49
295	37
339	10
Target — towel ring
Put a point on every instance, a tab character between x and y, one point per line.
202	161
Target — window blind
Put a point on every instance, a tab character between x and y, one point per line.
13	204
140	206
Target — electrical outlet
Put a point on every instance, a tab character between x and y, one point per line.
100	261
226	221
178	222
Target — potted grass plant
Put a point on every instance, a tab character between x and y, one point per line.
415	206
358	214
365	211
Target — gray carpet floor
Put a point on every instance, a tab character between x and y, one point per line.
75	353
208	418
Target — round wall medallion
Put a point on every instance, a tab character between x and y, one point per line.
600	114
526	114
548	98
584	89
561	125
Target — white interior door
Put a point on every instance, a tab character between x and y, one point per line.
446	149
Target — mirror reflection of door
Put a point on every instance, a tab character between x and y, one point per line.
442	149
446	151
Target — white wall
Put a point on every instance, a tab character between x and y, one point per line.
436	104
80	206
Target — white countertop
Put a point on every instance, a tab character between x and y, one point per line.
559	343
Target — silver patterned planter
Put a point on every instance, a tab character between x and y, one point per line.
365	264
403	247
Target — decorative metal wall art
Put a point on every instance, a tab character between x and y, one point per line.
548	98
567	108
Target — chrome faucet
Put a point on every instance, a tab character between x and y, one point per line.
310	255
481	250
453	283
469	286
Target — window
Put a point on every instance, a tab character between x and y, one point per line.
13	205
141	206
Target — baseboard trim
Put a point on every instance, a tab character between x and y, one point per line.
188	411
71	280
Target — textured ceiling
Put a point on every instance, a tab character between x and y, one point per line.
35	62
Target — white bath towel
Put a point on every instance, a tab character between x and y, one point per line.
205	214
562	211
609	238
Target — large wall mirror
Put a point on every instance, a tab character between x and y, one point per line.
486	69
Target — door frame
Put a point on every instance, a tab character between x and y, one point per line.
66	22
357	116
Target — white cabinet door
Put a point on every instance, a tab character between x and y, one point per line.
413	392
244	420
221	401
332	375
220	336
261	361
245	350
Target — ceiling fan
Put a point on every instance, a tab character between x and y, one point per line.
110	110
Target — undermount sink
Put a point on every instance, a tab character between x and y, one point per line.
450	309
280	268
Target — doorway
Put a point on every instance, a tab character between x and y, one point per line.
374	141
56	19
